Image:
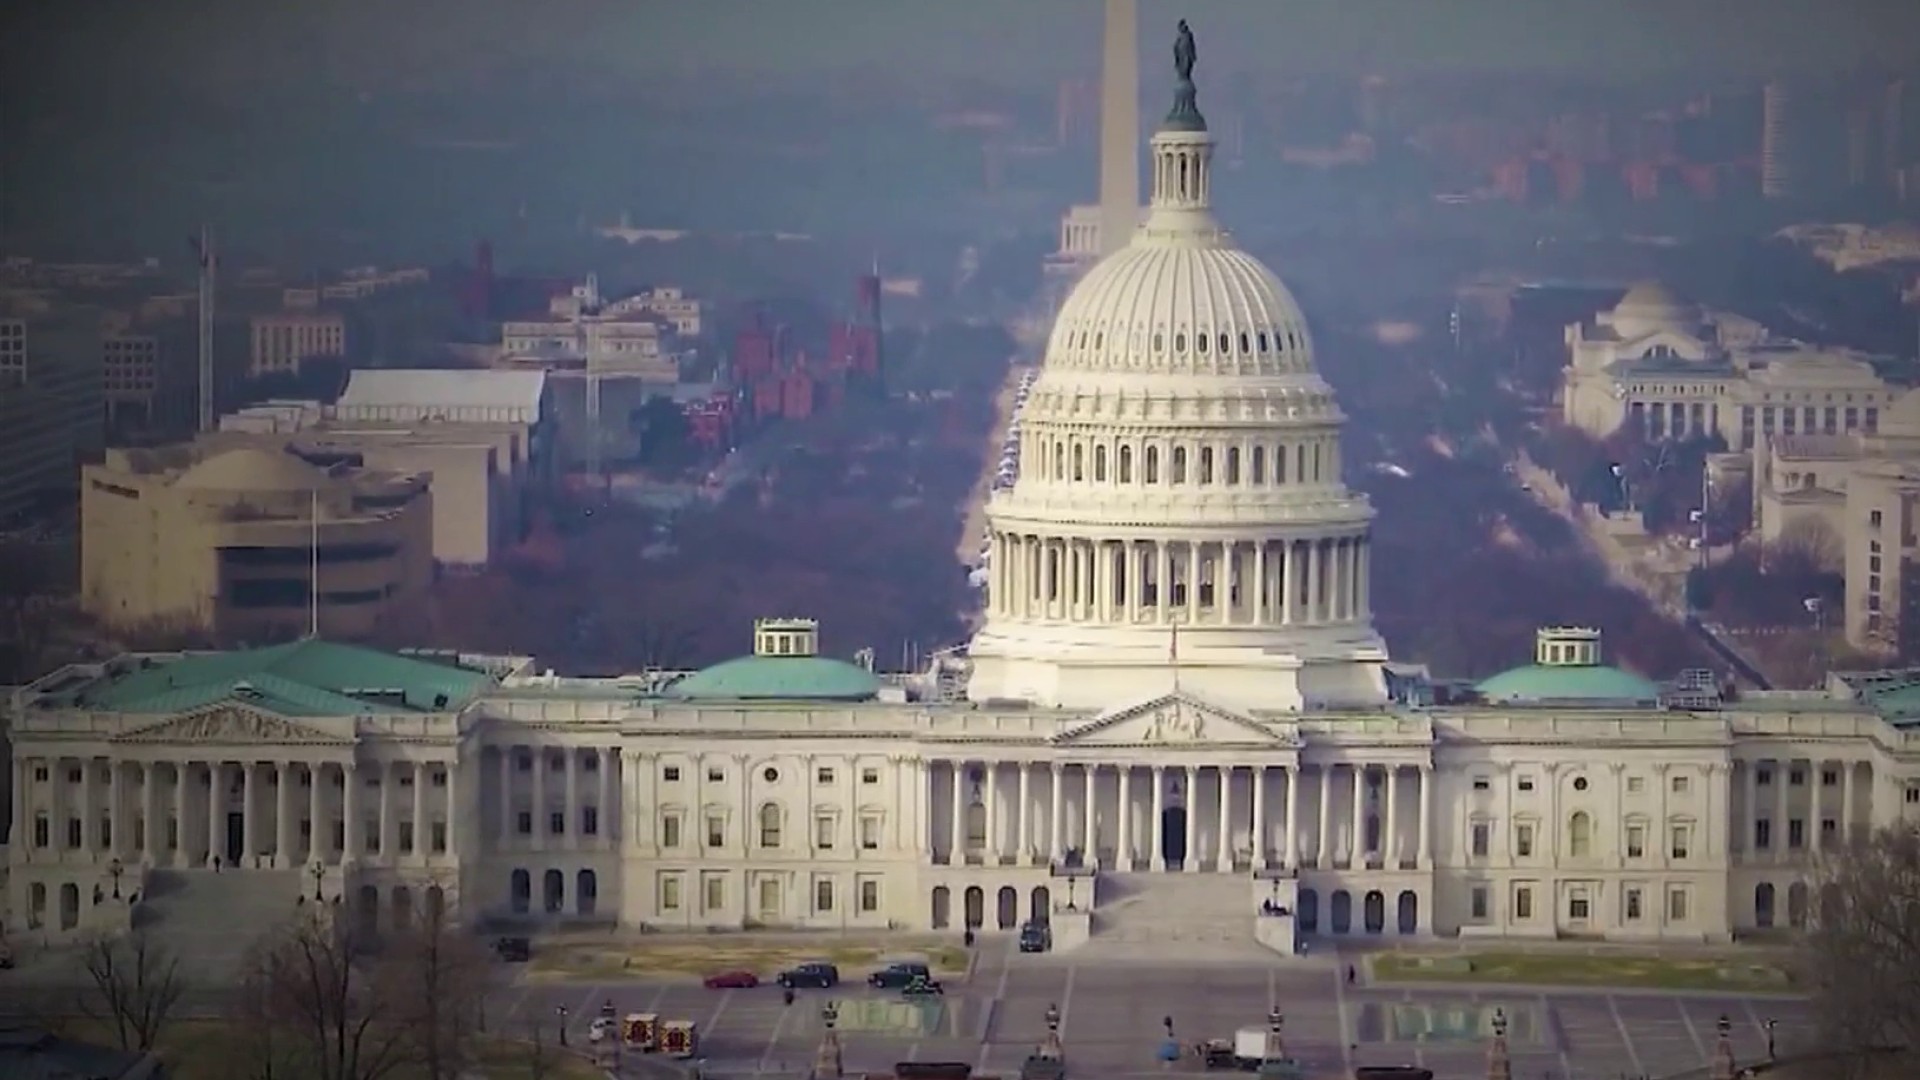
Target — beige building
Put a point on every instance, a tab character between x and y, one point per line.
253	543
282	341
1677	372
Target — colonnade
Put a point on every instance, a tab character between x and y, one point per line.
1217	583
190	812
1223	818
529	816
1793	813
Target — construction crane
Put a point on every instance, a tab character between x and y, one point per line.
203	256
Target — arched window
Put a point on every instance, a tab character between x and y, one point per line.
1243	343
770	826
1179	343
1200	344
1126	464
1263	342
1259	464
1152	465
1233	464
1059	461
1579	835
1079	462
1158	341
1206	465
1100	464
1099	341
1280	464
1226	345
1179	466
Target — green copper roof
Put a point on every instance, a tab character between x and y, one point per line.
300	678
1548	684
778	678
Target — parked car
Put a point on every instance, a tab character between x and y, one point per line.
897	976
1036	937
923	986
819	976
732	980
513	950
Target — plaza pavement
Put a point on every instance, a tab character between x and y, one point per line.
1111	1015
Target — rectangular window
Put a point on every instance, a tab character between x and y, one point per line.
1763	778
823	895
669	894
106	833
1827	828
406	837
1523	902
557	822
869	776
1635	784
1578	907
869	895
1796	777
589	821
715	890
716	776
73	832
671	774
1481	830
1523	841
523	822
1481	783
716	831
1829	777
439	838
1636	841
869	834
524	763
823	832
1796	833
1677	904
670	831
1762	834
42	832
1633	905
1525	783
1679	785
1477	903
1681	841
823	775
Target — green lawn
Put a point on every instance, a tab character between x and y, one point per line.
212	1050
1583	969
697	957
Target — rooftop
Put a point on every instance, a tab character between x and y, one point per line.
443	389
300	678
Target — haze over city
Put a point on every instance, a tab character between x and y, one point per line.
764	540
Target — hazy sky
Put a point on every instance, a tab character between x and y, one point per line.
995	40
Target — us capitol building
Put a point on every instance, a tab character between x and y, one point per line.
1178	721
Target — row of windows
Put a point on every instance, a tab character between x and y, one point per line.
1580	838
1307	463
436	778
1580	903
43	834
824	774
713	894
771	829
1258	342
1635	784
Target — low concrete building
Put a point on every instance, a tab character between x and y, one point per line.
252	543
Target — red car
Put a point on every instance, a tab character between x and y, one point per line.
732	980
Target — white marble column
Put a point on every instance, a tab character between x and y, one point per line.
1223	839
506	797
1780	789
603	813
150	831
1260	583
1125	824
539	813
455	817
1290	582
1259	834
995	823
389	812
1323	850
249	812
18	839
1426	818
419	810
922	808
570	809
117	815
1357	848
1157	858
89	826
1193	598
1390	824
1191	862
1816	773
1292	776
1844	824
283	844
319	844
958	826
1090	839
180	773
353	828
216	806
1750	812
1056	809
1023	817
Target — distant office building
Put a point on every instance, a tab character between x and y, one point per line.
1673	371
248	541
1778	167
284	340
51	409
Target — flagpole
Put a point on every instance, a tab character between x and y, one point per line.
313	565
1173	652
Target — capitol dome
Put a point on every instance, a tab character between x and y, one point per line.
1179	519
1650	307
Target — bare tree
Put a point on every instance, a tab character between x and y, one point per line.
1860	957
330	1002
135	986
434	976
538	1058
264	1047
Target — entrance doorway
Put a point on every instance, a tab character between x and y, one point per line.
1173	835
236	836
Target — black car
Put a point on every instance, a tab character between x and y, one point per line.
898	976
1036	937
513	950
819	976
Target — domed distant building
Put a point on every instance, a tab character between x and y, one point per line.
1177	695
1675	371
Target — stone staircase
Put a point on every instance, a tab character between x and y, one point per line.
1191	917
209	919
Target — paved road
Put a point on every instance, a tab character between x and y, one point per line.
1111	1017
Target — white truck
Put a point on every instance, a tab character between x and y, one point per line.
1249	1047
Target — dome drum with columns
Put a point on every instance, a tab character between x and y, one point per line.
1180	515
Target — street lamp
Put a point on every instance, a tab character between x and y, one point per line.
1053	1019
561	1012
1769	1025
1724	1026
829	1013
1070	883
1499	1023
116	870
319	875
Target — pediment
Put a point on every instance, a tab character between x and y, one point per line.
231	725
1684	345
1173	720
